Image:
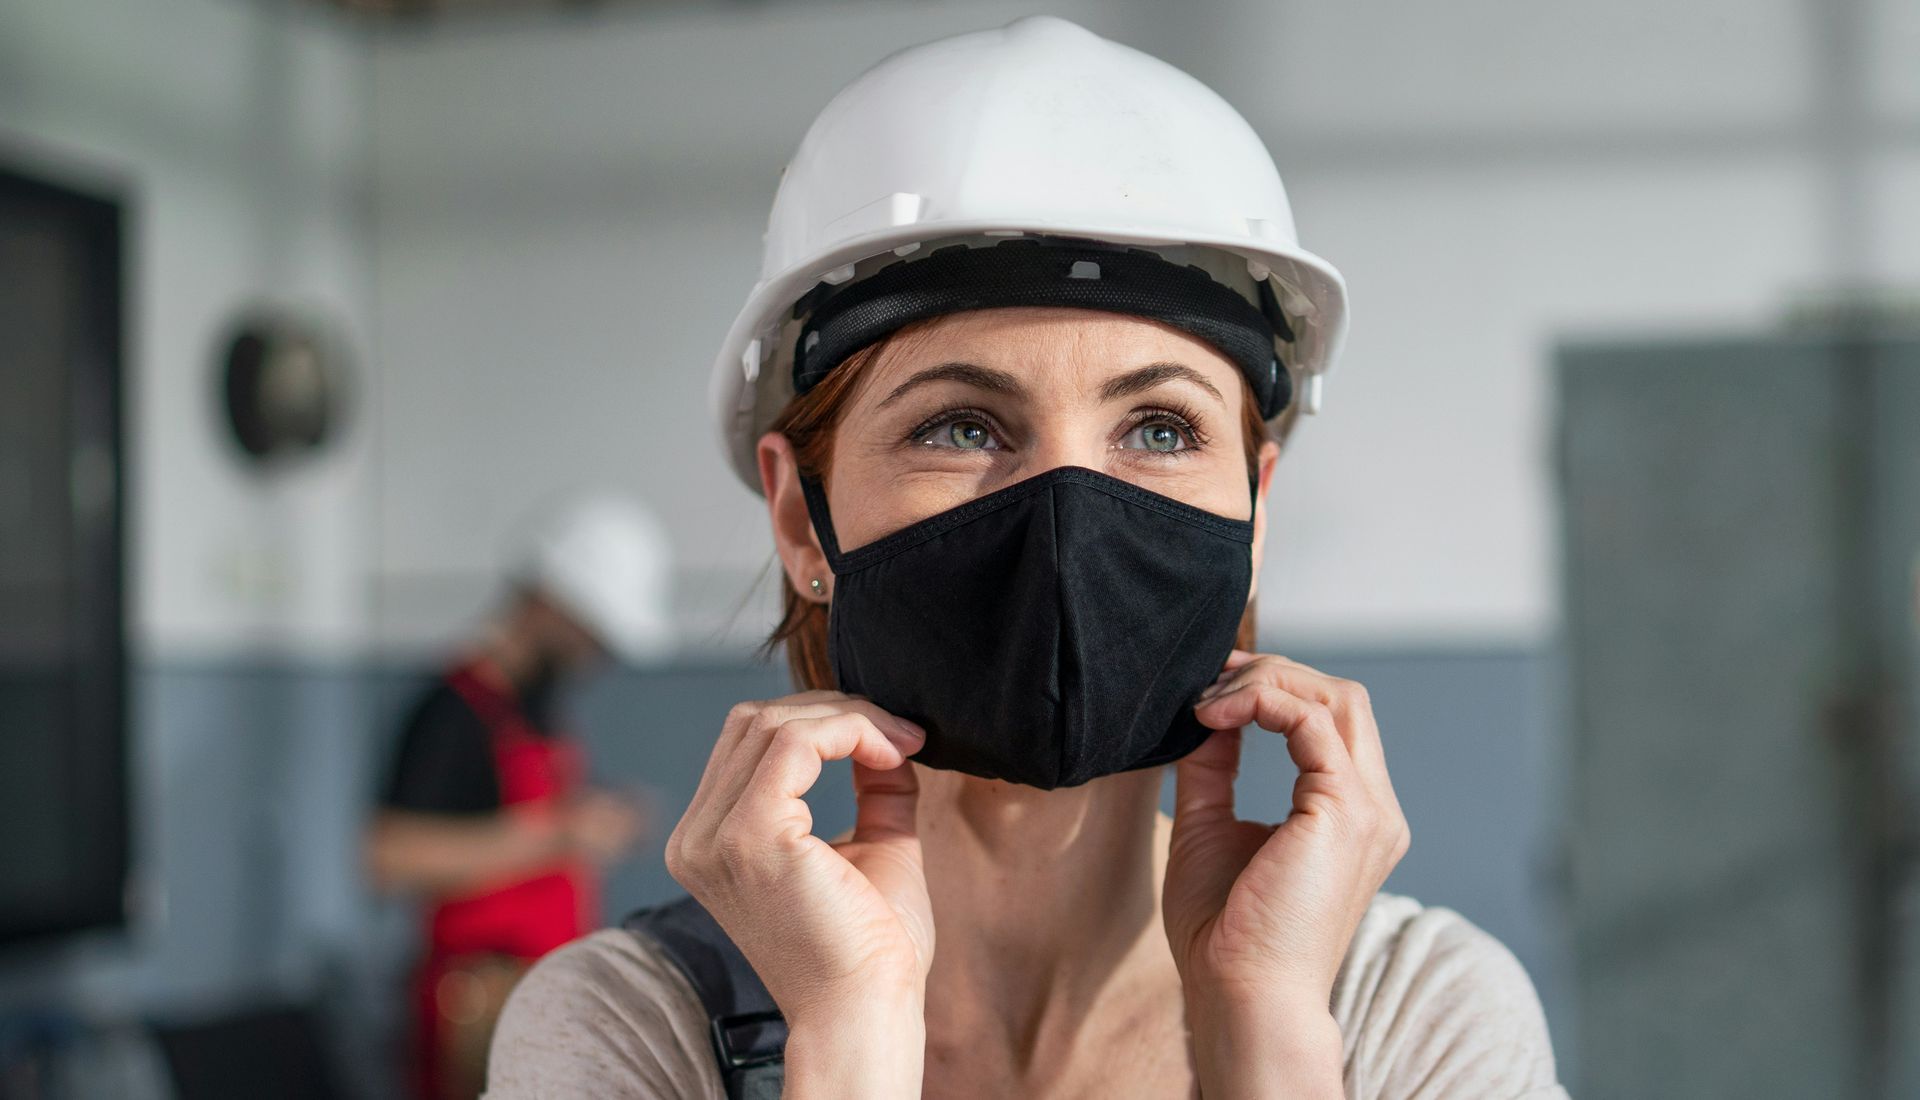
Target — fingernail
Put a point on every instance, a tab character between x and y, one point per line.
1212	691
913	736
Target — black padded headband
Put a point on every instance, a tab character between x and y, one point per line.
1032	272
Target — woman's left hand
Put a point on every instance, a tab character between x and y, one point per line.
1259	916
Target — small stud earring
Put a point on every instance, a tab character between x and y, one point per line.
817	587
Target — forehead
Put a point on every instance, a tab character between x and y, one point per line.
1050	346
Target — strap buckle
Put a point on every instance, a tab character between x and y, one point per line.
760	1047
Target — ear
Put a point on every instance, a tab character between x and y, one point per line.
1268	461
793	535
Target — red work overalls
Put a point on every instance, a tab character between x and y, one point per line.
520	920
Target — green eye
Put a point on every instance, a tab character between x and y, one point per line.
969	434
959	430
1157	436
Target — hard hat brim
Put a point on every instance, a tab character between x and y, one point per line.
1312	294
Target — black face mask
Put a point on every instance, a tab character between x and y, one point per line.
1047	633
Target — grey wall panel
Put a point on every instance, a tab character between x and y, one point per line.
1740	533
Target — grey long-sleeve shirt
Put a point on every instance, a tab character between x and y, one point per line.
1429	1007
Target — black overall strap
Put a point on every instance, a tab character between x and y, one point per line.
748	1034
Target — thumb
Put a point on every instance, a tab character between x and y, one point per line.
1203	782
1203	858
885	802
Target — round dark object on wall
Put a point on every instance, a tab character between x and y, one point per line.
283	381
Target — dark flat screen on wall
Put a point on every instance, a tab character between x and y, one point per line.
63	786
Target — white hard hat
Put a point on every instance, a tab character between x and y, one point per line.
606	563
1040	127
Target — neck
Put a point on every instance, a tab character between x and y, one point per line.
1045	903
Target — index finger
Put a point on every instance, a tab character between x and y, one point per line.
1347	699
732	769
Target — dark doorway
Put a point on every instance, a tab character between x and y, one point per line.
63	802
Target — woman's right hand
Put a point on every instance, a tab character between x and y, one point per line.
842	934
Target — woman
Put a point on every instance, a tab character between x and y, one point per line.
1014	386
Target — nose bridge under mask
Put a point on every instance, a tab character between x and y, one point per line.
814	492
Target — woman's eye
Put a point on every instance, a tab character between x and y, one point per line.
1155	436
967	435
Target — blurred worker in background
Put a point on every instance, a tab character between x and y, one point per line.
485	811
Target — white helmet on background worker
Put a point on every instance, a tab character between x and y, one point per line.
607	564
1037	128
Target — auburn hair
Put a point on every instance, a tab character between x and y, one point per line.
809	422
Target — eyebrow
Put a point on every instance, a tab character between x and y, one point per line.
1145	378
971	374
1136	381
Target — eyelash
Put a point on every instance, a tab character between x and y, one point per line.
1181	417
948	416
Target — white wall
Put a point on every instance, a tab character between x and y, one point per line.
569	210
237	132
1893	161
567	213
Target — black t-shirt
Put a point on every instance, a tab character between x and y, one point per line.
444	763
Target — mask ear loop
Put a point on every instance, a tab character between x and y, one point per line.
816	497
